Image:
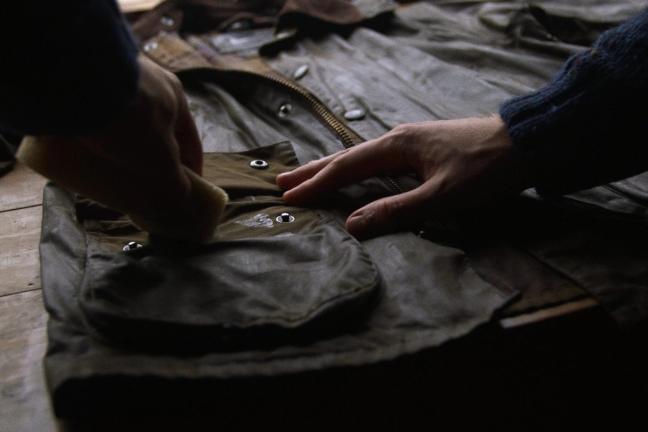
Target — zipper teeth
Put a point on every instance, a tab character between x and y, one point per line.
393	184
349	138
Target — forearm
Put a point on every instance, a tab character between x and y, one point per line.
71	69
589	125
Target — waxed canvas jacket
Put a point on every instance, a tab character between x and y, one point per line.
273	85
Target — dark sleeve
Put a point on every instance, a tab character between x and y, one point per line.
589	125
67	66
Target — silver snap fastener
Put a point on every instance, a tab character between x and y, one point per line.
167	21
259	164
300	72
355	114
284	110
284	34
131	246
242	24
150	46
285	218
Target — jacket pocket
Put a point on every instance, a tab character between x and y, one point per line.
269	279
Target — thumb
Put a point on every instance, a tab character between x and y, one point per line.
388	214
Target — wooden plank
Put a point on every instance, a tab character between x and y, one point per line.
547	313
19	261
24	402
20	188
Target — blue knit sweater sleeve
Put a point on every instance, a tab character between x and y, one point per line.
67	66
589	125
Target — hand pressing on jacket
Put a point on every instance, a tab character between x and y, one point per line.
146	163
461	163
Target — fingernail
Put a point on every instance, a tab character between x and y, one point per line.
289	197
280	178
357	224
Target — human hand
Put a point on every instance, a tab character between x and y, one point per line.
146	163
461	163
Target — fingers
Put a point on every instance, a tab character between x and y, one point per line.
162	93
77	167
187	137
389	214
376	157
191	214
293	178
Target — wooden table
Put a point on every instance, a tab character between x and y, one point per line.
24	403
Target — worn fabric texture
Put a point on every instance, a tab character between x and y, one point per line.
272	299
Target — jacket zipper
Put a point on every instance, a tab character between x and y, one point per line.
348	136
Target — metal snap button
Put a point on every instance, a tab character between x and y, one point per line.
242	24
131	246
150	46
284	110
284	34
300	72
259	164
355	114
167	21
285	218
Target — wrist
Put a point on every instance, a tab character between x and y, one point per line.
516	172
